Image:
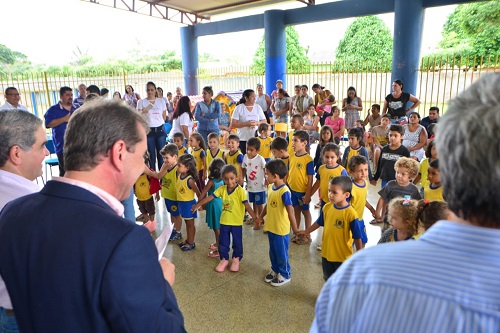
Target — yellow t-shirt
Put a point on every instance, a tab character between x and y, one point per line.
433	194
424	172
277	220
358	201
184	191
183	151
233	208
168	188
299	169
235	159
341	227
198	155
210	157
324	175
290	140
265	147
142	188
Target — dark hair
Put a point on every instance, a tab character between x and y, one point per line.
94	129
331	147
429	148
263	127
349	100
160	89
117	92
376	106
254	142
283	91
386	115
179	135
434	164
434	108
414	112
430	128
213	135
355	161
246	94
302	135
66	88
279	143
277	167
234	137
169	94
355	132
190	163
93	89
299	117
170	149
304	86
9	89
200	139
209	90
324	129
397	128
316	85
229	168
429	212
91	97
344	182
147	159
183	106
399	83
131	88
151	84
215	168
104	91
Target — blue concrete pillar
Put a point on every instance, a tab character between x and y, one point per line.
275	40
189	45
408	25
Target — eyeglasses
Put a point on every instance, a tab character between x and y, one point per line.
13	94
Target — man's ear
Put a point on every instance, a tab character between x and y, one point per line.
15	155
117	154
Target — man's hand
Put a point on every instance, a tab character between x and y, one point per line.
168	270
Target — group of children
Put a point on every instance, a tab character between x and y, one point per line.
279	180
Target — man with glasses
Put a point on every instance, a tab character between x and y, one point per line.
12	99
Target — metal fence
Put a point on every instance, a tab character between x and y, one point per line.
439	80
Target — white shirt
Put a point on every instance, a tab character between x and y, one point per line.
255	173
242	115
154	116
8	106
177	123
12	186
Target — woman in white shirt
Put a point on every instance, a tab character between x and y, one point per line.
182	120
247	116
154	111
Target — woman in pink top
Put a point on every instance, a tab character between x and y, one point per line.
336	123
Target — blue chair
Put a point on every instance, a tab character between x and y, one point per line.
51	161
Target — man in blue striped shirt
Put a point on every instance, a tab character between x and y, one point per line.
448	280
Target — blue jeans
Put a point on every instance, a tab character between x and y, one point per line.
128	204
156	141
8	324
205	133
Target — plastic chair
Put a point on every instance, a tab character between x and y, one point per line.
50	161
281	127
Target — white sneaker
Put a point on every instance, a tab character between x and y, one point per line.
270	276
279	280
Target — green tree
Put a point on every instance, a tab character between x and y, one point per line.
366	45
471	36
297	60
9	57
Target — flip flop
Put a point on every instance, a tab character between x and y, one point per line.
214	254
374	221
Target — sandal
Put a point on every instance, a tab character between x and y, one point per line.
181	244
213	247
375	221
188	247
214	254
301	241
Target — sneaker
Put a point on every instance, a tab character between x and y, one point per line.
175	235
279	280
188	247
221	267
270	276
235	265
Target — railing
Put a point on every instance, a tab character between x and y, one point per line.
439	80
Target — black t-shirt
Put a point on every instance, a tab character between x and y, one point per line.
397	106
388	157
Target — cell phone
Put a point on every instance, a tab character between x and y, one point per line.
149	106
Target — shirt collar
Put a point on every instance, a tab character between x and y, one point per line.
110	200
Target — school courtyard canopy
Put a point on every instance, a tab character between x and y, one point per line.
408	22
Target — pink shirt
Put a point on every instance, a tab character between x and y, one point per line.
335	124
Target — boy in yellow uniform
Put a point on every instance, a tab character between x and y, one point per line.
280	217
434	190
279	148
168	176
234	157
359	170
213	150
179	142
265	141
297	122
300	176
142	191
234	204
341	226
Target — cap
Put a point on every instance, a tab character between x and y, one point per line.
259	85
280	81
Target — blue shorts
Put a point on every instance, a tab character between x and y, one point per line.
185	209
267	159
172	207
362	229
297	200
258	198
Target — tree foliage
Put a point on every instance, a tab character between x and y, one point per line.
296	55
366	45
471	36
8	56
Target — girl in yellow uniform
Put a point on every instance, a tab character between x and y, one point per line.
265	141
198	148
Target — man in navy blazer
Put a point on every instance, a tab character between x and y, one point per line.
70	262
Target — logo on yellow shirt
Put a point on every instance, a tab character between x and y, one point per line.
166	183
182	190
227	206
274	203
339	224
299	165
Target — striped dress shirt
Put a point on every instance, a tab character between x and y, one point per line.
447	281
